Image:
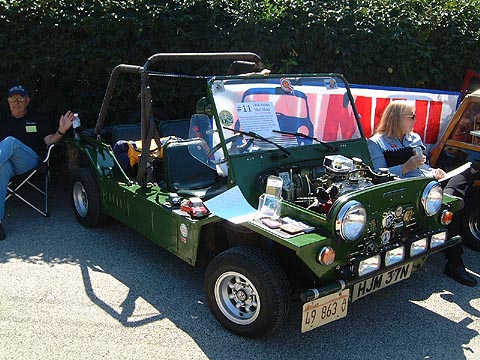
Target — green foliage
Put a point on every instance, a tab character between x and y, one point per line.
64	51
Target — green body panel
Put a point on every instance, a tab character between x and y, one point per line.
140	208
143	208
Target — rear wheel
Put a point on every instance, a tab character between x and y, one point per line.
247	291
86	198
471	222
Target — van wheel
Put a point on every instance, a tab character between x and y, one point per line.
471	223
86	198
247	291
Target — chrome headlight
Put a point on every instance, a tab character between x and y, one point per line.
394	256
369	265
418	247
432	198
438	239
351	220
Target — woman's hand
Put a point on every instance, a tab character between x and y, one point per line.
414	162
438	174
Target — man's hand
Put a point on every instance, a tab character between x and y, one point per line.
65	122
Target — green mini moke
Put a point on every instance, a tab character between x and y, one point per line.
324	227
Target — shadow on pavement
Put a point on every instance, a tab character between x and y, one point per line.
400	322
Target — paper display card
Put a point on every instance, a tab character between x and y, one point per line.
456	171
221	206
258	117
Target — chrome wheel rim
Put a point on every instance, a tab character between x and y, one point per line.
80	199
473	224
237	298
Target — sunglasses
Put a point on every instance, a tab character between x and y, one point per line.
411	117
13	99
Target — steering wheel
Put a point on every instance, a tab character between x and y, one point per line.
241	148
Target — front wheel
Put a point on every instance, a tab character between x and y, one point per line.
86	198
247	291
471	222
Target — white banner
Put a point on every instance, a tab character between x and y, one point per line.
434	109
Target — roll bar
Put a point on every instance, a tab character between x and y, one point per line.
143	71
145	90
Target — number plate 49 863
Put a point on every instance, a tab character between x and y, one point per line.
324	310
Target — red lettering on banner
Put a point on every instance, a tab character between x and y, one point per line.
421	109
380	105
434	118
364	108
332	123
370	108
428	114
432	110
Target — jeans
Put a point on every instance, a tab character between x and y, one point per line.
16	158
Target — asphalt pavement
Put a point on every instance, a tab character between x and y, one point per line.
68	292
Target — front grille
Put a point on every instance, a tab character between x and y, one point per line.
386	227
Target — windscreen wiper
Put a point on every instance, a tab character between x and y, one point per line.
327	145
259	137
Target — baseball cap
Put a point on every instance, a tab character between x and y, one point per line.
17	90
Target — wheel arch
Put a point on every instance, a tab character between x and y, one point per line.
219	236
78	157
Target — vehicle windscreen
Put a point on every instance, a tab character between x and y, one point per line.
263	113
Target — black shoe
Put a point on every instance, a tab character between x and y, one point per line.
459	274
3	236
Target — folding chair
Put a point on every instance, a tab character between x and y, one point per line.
18	181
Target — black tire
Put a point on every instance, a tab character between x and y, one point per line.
86	198
247	291
471	222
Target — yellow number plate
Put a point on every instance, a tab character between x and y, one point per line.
324	310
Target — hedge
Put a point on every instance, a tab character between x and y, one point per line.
64	51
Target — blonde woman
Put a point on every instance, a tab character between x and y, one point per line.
397	147
392	146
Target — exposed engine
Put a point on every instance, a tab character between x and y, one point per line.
317	188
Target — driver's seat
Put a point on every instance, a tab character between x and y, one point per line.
186	175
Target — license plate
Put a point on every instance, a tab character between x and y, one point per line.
380	281
324	310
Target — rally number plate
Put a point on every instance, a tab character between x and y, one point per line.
324	310
380	281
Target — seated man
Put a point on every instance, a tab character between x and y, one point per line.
23	141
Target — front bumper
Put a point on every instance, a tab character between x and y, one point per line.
346	278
